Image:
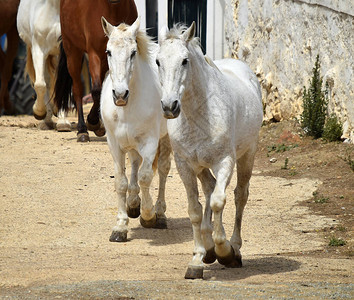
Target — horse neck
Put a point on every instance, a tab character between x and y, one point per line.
143	77
196	90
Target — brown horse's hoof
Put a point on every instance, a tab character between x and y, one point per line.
210	256
39	117
100	132
93	127
161	223
83	137
133	212
230	261
148	224
194	272
118	237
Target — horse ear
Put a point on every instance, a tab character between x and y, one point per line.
163	33
135	26
189	33
107	28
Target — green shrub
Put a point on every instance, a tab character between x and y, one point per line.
315	102
333	129
336	242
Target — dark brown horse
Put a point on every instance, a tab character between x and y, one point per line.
8	13
82	32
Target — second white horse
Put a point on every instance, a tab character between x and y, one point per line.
131	113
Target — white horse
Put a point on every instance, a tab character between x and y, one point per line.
39	27
132	116
215	113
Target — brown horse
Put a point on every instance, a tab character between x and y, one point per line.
82	32
8	13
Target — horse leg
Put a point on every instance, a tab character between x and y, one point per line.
74	59
164	165
93	119
120	231
145	175
11	52
63	125
223	249
244	172
208	184
133	201
2	65
39	107
195	211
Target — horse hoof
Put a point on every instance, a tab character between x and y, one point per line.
93	127
210	256
161	223
83	137
194	272
133	212
46	125
231	261
118	237
148	224
101	131
39	117
63	127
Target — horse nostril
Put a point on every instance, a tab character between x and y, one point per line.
126	94
174	105
114	94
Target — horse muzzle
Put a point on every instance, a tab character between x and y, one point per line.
171	111
121	99
120	102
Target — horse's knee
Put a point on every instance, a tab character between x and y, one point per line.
195	212
217	201
121	184
96	91
145	178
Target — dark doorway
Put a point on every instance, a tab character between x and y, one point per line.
187	11
151	17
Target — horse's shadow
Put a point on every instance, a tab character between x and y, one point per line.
95	139
179	230
251	267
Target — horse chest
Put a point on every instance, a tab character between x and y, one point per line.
195	145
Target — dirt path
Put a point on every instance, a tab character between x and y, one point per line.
58	206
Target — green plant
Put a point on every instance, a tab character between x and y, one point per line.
336	242
333	129
315	102
280	148
285	164
319	198
292	171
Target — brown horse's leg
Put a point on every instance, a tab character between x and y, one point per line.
93	119
11	52
74	59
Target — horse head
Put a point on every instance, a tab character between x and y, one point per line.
173	64
121	55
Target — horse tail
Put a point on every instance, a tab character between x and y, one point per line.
29	65
62	90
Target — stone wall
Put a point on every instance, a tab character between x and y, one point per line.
280	39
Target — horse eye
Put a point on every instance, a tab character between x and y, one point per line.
185	61
157	62
133	54
108	53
